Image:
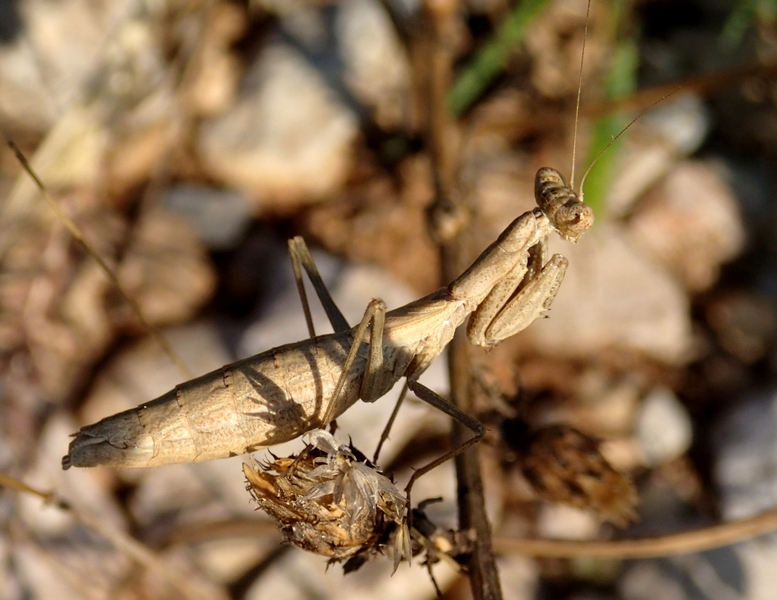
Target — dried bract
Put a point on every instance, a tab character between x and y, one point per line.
565	465
332	501
440	543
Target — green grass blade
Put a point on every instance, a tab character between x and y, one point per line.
490	61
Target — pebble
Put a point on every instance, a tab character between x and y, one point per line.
287	141
221	217
663	427
560	521
746	446
745	443
376	66
691	223
614	297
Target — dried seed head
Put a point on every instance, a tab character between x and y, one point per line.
565	465
332	501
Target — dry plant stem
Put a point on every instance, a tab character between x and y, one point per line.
684	542
703	84
687	542
117	538
472	511
47	497
75	232
484	576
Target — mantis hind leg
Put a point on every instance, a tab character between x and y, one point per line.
374	316
302	259
434	399
373	379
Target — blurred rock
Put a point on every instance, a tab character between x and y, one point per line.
288	138
745	444
54	553
745	324
53	315
613	297
210	85
382	220
653	146
714	575
606	405
68	157
10	586
47	65
355	46
60	312
165	270
221	217
560	521
518	576
746	449
376	67
690	223
554	42
663	427
110	80
647	579
127	96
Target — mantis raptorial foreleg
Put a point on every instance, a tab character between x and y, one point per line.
529	303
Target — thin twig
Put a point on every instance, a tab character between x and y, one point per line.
686	542
701	84
450	208
76	233
683	542
119	539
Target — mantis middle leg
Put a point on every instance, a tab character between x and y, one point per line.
302	259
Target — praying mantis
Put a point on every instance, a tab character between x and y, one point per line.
278	395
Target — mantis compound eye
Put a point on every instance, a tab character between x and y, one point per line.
573	219
561	205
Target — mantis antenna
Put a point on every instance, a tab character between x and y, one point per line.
577	103
612	141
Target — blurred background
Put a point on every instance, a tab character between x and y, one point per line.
189	139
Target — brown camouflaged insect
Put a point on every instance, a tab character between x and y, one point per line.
280	394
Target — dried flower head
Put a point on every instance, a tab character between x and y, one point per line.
332	501
565	465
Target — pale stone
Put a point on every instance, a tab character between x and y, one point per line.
663	427
288	139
